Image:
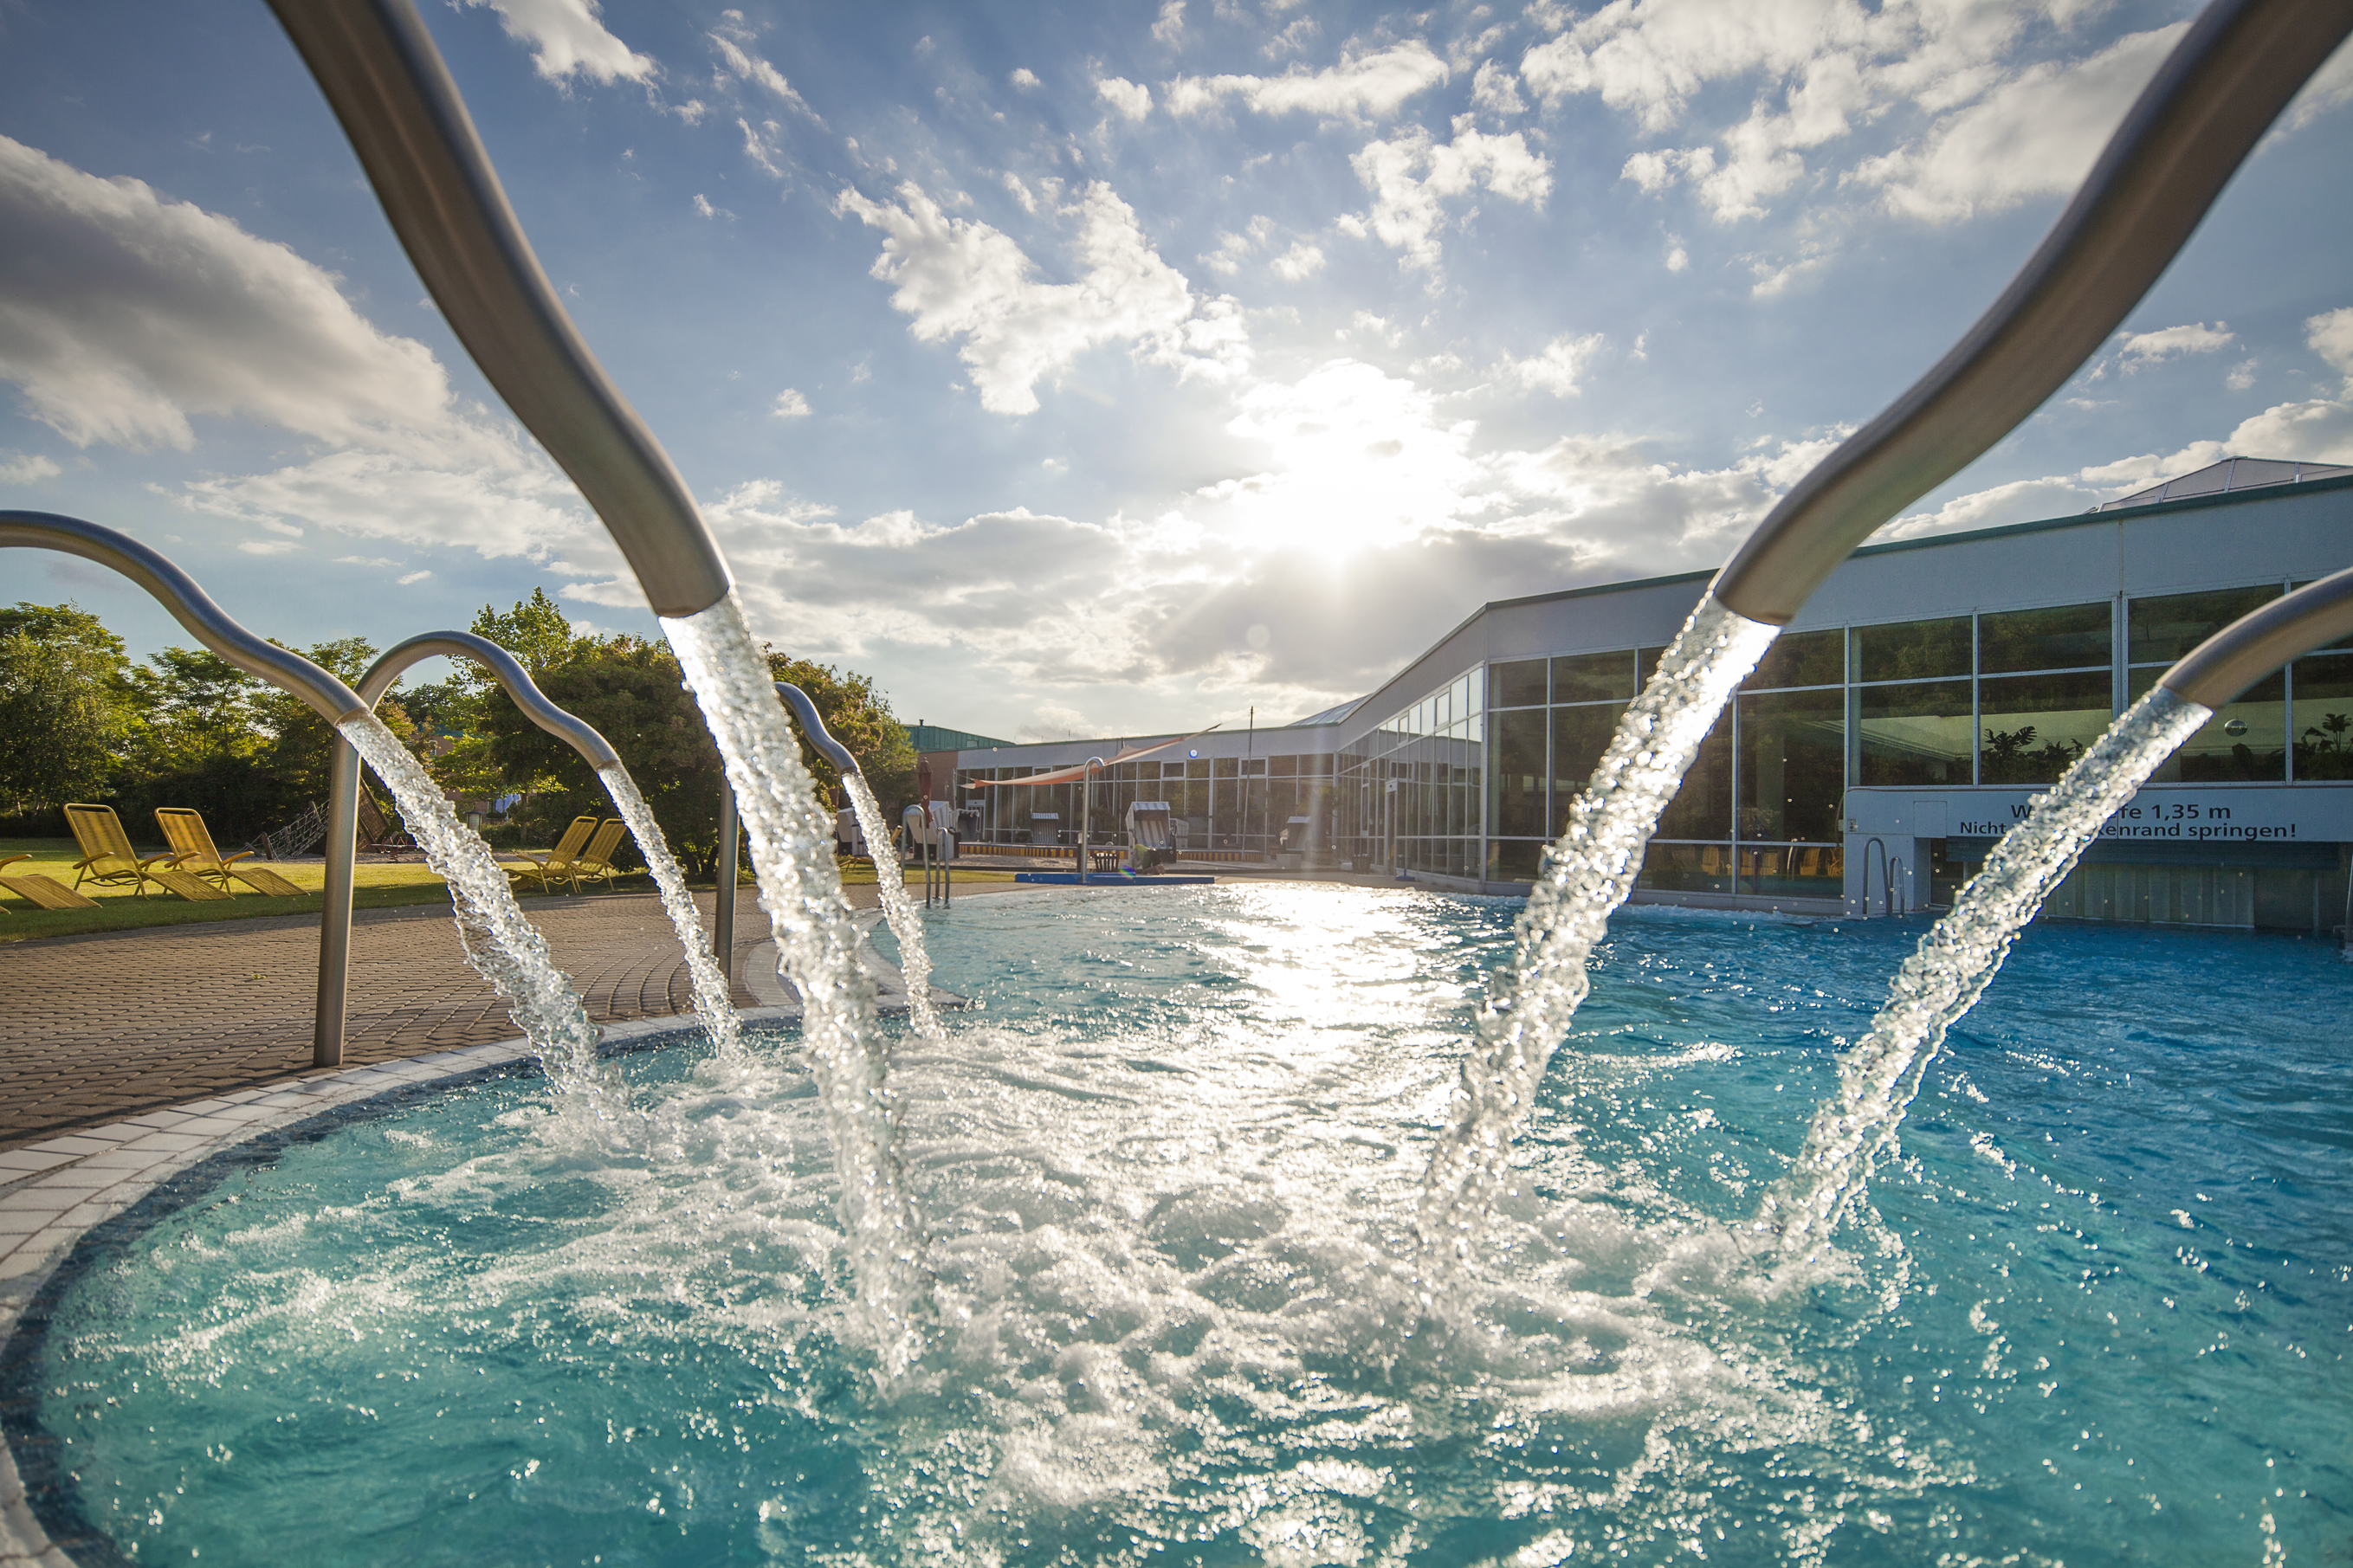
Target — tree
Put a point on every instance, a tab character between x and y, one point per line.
64	706
535	631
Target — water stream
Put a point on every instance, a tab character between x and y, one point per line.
1958	958
800	888
712	1003
1587	873
504	947
915	962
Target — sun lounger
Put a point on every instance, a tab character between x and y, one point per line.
556	863
378	834
107	858
193	854
46	891
596	862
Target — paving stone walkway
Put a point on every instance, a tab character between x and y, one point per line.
98	1029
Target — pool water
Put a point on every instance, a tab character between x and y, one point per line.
2098	1310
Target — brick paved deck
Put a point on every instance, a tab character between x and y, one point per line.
101	1029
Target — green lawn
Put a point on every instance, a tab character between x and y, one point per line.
375	887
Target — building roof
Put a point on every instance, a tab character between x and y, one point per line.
2230	474
940	737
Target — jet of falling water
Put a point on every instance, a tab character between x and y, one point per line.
712	1003
914	959
792	841
1587	874
1958	958
506	949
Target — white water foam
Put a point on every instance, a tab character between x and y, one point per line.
1587	875
1958	958
800	888
711	1004
504	947
891	883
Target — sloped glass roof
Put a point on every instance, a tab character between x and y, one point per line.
2230	474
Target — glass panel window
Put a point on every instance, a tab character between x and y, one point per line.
1646	664
1792	764
1594	677
1513	861
1800	659
2064	638
1913	650
2245	740
1519	684
1918	734
1792	870
2031	727
2161	630
1579	736
1686	869
1703	808
2323	718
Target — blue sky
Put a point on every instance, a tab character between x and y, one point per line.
1090	369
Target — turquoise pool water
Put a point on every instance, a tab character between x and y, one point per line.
2099	1311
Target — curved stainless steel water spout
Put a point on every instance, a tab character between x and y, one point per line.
343	800
2260	642
377	66
190	606
812	727
2210	101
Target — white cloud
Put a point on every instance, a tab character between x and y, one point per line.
409	578
568	36
27	471
1362	85
1555	369
128	313
1494	89
969	282
266	546
1129	100
1301	262
752	68
764	145
2331	86
1170	30
381	562
1406	213
2037	134
703	208
2242	374
790	405
1024	78
2330	335
2141	348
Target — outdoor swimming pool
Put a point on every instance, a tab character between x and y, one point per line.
2099	1311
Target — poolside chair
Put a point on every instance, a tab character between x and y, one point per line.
596	862
378	834
47	892
556	863
107	858
193	852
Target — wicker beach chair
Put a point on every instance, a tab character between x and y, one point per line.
107	858
555	866
47	892
596	862
193	852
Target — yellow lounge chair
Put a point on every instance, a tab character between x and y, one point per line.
193	852
107	858
47	892
556	863
596	862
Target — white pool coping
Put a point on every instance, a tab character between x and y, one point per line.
51	1193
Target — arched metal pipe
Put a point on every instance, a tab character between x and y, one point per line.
812	727
190	606
343	802
377	66
731	826
2209	103
2249	649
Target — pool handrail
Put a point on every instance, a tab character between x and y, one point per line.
2209	103
2262	640
386	83
189	604
344	802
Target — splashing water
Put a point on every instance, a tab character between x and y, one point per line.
915	962
800	888
710	1000
504	947
1588	873
1953	966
